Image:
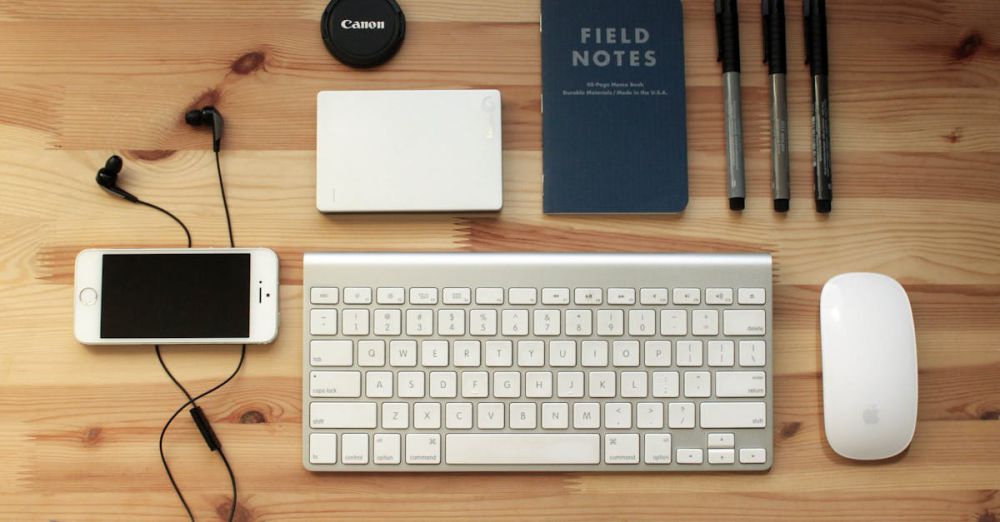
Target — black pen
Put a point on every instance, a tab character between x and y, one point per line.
727	29
773	13
814	17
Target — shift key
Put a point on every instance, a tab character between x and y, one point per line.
733	415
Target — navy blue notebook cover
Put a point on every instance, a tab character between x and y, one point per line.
613	106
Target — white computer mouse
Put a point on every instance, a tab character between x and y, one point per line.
869	366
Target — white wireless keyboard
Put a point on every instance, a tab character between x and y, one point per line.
537	362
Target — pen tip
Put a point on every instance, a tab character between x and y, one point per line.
824	206
736	203
781	205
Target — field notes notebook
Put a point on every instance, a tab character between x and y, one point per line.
613	106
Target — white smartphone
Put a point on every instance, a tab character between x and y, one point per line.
176	296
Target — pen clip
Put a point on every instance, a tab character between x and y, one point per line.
718	28
807	30
765	7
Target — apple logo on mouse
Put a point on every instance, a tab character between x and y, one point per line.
870	415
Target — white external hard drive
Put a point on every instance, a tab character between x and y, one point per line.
408	151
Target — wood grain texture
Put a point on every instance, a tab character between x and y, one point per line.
916	105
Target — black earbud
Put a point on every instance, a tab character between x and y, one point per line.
107	178
207	116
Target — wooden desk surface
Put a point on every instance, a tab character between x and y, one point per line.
916	141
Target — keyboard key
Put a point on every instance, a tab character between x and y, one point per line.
423	296
342	415
690	456
562	353
721	440
324	296
751	296
386	448
395	415
390	296
403	353
507	385
555	296
522	296
427	415
555	416
546	322
499	354
641	323
621	296
594	353
357	296
483	322
610	322
586	415
752	353
719	296
457	296
410	385
458	416
680	415
523	415
331	353
451	323
466	353
733	415
378	385
538	385
740	384
443	385
720	353
322	321
689	353
530	354
322	448
570	384
388	322
666	384
618	415
633	384
721	456
371	353
625	353
335	384
743	322
602	384
423	448
697	384
753	456
657	448
649	415
514	323
419	323
434	354
523	448
579	322
489	416
355	321
705	322
621	448
687	296
475	384
489	296
354	448
588	296
657	353
673	322
653	296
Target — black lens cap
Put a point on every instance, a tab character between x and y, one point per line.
363	33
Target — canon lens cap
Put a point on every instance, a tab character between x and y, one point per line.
363	33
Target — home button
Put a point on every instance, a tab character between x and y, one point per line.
88	296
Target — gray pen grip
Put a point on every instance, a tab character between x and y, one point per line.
734	134
821	139
779	138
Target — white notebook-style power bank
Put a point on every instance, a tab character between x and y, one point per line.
409	151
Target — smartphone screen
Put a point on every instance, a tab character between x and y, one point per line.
172	296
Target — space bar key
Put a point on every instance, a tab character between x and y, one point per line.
508	448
